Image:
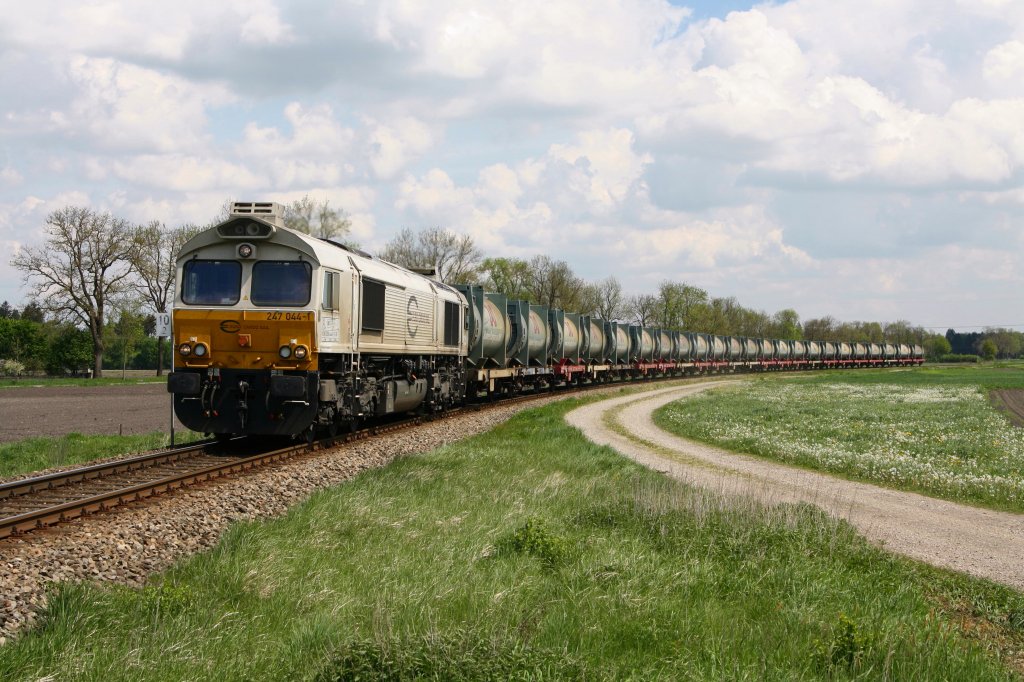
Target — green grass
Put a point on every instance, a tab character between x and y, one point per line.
35	454
929	430
110	380
529	553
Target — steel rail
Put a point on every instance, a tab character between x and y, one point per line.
59	479
51	515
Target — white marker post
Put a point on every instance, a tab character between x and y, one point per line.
163	328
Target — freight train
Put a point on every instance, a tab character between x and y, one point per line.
280	333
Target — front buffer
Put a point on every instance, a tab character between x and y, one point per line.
233	401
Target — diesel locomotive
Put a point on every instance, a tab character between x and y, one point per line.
277	332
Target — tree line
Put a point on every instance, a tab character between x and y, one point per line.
97	282
676	305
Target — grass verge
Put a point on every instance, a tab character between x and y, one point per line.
35	454
932	431
105	381
529	553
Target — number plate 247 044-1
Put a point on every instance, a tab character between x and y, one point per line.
279	316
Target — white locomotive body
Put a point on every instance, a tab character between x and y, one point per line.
279	332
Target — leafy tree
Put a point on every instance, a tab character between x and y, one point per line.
786	325
23	341
454	258
680	305
71	349
1008	342
33	312
8	312
988	349
936	346
508	276
316	217
154	262
899	331
84	267
123	335
145	354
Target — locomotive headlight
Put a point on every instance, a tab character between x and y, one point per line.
185	349
245	250
285	352
252	229
301	352
200	350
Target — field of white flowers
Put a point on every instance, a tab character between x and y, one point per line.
942	440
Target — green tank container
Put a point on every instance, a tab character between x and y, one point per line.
539	336
488	326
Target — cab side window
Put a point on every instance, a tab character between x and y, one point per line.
329	299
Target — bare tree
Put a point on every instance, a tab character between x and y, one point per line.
154	261
454	257
553	283
611	305
643	308
83	268
588	299
821	329
315	217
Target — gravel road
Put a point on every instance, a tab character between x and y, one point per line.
980	542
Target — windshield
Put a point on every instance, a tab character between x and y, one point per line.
211	282
281	283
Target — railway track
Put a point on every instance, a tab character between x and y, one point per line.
34	503
38	502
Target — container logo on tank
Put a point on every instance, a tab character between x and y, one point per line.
230	326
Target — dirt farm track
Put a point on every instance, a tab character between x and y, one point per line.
27	411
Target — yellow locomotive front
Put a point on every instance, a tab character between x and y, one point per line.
245	328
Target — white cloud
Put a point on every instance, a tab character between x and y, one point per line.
392	146
1004	68
834	152
124	107
181	173
11	176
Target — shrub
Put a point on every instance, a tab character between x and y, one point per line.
844	647
11	368
534	538
959	357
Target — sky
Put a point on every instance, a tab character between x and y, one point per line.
856	158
